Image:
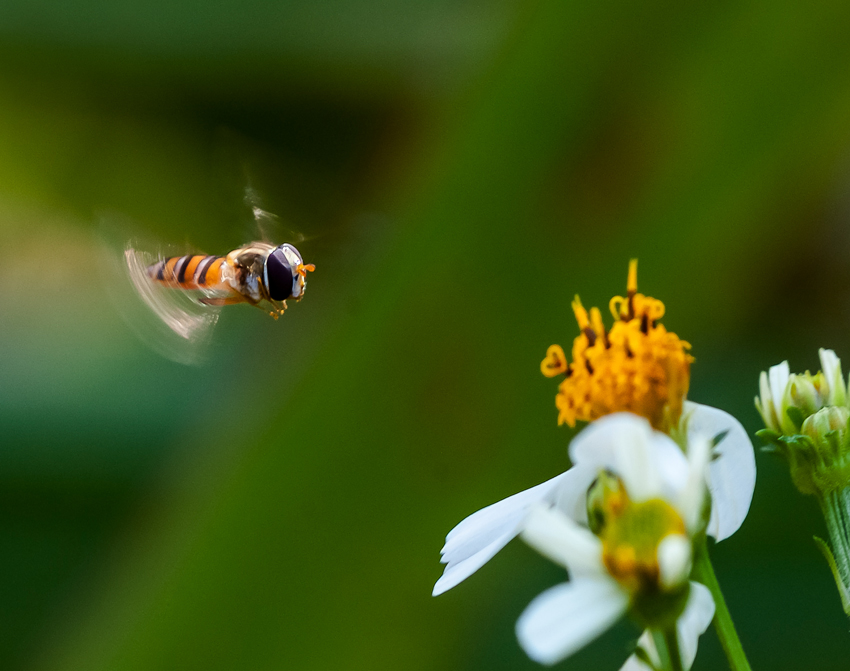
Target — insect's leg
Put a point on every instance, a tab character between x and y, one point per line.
218	302
278	308
275	312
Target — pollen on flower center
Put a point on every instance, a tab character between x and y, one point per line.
636	366
632	534
631	537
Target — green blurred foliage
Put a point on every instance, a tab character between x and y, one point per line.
461	169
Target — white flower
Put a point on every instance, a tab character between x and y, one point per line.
805	393
640	552
731	480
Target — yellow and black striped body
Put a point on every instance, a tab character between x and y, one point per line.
257	273
190	272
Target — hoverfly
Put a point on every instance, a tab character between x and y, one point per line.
186	292
257	273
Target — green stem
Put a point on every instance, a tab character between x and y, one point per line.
661	649
836	513
672	640
667	645
704	573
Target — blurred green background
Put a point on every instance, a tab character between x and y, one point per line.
461	170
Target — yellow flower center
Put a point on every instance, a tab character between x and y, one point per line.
631	533
637	366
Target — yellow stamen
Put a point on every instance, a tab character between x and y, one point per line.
636	366
555	362
596	322
580	313
631	283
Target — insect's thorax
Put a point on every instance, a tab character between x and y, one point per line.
246	266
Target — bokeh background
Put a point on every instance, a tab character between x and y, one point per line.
460	169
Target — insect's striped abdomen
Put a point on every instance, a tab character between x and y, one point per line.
188	272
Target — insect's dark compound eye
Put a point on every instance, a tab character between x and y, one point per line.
280	275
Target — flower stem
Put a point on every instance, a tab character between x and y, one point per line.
667	645
672	639
836	513
704	573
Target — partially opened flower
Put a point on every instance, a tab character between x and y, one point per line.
786	400
807	419
730	476
636	366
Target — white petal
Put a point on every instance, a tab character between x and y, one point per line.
567	617
625	444
572	492
691	625
458	570
556	536
765	406
672	465
648	644
637	467
474	541
595	444
779	376
830	364
674	561
732	474
692	497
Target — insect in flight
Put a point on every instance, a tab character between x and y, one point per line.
257	273
186	292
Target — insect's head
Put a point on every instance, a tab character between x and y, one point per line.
285	273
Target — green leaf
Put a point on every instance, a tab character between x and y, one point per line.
797	441
796	416
769	435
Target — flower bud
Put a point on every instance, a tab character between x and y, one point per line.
825	421
806	392
819	456
807	421
786	400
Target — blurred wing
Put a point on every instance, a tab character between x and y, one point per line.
171	321
269	225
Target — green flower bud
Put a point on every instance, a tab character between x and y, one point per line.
808	422
818	456
786	400
806	393
819	425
